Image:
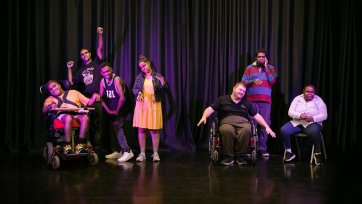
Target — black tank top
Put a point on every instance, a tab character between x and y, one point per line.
111	94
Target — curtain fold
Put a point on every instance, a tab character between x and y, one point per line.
202	49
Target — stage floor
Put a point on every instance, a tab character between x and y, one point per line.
177	178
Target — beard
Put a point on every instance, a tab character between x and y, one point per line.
260	64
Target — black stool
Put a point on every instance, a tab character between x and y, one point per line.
304	135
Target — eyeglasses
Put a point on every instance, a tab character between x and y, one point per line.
261	56
84	53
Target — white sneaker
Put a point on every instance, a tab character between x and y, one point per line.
141	157
126	156
114	155
156	157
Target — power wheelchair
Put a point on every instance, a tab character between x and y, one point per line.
53	152
215	143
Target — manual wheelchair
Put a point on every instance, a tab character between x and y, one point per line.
215	143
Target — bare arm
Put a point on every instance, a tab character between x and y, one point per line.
118	83
95	97
101	92
70	74
100	43
104	105
208	111
48	105
101	88
262	122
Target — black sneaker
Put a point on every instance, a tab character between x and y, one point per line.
247	156
318	159
227	161
264	153
240	160
288	156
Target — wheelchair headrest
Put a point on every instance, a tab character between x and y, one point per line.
43	89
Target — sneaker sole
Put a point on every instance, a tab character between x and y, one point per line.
227	164
140	160
126	159
113	157
290	159
318	164
68	153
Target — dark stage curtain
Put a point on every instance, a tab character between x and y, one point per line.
202	49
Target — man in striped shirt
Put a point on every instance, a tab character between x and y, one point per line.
259	77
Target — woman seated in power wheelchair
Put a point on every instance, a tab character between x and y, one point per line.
235	129
68	123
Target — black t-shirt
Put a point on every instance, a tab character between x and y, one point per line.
225	106
89	77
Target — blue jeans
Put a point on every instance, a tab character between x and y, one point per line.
313	130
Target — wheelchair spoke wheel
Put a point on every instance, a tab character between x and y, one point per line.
212	139
254	156
215	157
212	146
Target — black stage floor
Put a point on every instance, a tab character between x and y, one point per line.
177	178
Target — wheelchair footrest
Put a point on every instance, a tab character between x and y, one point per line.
75	154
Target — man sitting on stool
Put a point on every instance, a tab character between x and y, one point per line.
307	111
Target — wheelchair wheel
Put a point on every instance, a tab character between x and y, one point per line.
212	140
55	163
212	148
214	144
47	153
254	156
215	157
45	156
93	158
